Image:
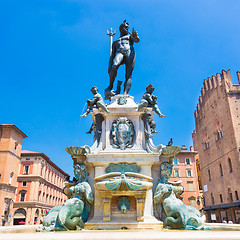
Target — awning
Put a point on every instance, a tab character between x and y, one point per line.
19	216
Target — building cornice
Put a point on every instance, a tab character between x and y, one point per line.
25	178
7	186
31	204
13	127
34	154
7	151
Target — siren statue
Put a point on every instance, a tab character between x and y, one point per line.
168	202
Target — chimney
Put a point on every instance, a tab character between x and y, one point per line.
184	147
191	148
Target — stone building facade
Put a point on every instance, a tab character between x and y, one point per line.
184	169
10	149
40	183
217	135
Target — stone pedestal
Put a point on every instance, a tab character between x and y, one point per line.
122	143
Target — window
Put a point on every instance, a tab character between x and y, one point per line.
188	161
221	171
39	196
230	196
26	169
190	186
176	173
24	184
236	196
15	148
212	198
189	173
220	196
206	144
209	175
230	165
22	197
175	161
11	176
219	134
192	201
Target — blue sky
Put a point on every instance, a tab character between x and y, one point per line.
53	52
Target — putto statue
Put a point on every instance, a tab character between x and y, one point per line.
96	102
122	53
150	100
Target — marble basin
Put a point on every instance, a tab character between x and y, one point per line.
171	151
78	151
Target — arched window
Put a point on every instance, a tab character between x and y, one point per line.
209	175
230	194
36	216
212	198
230	165
221	199
221	171
22	194
42	171
192	201
39	196
11	176
19	217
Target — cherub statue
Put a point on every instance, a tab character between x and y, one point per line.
150	100
96	102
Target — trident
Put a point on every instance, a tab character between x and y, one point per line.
111	34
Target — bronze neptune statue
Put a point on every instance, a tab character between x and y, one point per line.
122	53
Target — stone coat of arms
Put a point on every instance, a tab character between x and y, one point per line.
122	133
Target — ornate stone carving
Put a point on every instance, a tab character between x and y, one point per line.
122	100
123	167
123	184
122	133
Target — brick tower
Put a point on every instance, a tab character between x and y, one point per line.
217	134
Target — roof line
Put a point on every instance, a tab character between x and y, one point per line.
45	157
14	127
